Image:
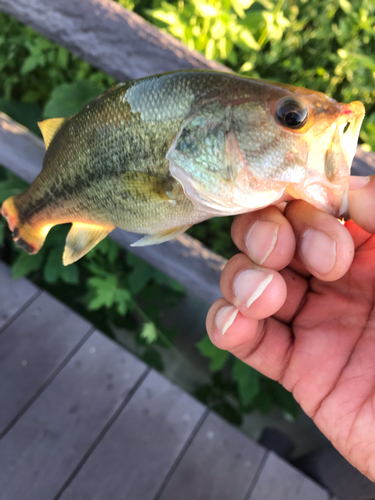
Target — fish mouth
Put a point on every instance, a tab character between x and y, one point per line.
349	125
326	185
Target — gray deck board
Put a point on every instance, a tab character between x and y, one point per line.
136	454
220	464
14	294
32	348
41	451
91	422
279	481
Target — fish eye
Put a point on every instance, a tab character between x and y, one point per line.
292	114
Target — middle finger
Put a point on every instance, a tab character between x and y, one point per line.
266	237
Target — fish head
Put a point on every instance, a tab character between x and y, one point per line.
256	143
325	134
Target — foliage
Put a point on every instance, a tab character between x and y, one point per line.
32	66
237	389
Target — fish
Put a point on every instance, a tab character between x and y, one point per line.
159	154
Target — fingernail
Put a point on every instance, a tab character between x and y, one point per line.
358	182
319	251
225	317
261	240
250	285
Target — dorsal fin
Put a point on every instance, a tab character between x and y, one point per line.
49	128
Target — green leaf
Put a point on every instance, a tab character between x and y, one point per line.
176	286
153	359
247	380
26	264
70	274
62	57
112	251
263	401
123	299
32	62
206	10
166	15
54	266
209	350
26	113
149	333
139	277
248	40
346	6
11	186
105	291
229	412
68	98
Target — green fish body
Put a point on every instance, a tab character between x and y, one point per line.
159	154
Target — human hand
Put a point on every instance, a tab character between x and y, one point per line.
298	306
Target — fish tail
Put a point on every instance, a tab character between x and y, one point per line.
25	235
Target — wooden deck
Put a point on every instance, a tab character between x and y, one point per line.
83	419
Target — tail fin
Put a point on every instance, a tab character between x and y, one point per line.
25	235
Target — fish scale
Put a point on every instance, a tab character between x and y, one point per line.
159	154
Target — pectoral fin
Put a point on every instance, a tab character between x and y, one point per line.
150	189
155	239
81	239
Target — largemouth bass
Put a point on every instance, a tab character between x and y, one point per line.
159	154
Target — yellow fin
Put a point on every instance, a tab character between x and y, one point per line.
155	239
81	239
49	128
25	235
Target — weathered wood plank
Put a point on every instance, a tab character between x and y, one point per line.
220	463
14	294
32	348
41	451
184	259
278	480
108	36
141	446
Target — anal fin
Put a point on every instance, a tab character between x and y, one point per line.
81	239
155	239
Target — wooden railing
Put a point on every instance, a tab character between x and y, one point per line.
125	46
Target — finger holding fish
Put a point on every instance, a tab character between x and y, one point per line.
265	236
256	291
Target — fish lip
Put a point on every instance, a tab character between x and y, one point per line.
354	109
